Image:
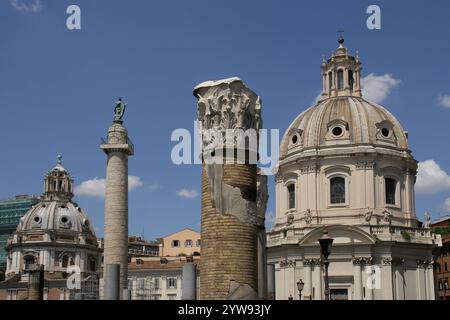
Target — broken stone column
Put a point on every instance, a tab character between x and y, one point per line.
117	148
229	115
35	282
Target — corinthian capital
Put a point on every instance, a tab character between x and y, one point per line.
224	108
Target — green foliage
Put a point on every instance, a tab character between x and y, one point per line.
442	230
406	235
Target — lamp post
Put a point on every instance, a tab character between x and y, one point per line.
300	285
325	248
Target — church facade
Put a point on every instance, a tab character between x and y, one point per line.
345	167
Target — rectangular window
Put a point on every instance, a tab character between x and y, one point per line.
337	190
445	266
291	195
188	243
156	283
171	283
390	190
340	75
198	243
175	243
141	283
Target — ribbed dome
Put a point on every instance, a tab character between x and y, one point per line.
342	122
55	215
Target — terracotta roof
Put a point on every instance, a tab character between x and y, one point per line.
156	264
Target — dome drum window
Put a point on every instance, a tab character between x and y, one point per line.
64	222
36	222
291	196
337	190
295	137
385	131
390	191
337	129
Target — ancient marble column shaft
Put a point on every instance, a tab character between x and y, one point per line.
228	111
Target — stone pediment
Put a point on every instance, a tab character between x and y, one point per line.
340	233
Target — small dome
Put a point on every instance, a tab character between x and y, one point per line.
55	215
341	122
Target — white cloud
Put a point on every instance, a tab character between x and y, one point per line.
27	5
444	100
431	178
377	88
188	194
134	182
96	187
447	205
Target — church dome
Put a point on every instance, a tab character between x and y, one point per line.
55	215
344	121
56	211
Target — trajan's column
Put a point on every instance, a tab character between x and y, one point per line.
117	148
228	112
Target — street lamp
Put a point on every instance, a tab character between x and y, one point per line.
300	285
325	248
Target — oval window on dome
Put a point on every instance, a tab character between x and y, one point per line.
37	219
337	131
385	132
294	139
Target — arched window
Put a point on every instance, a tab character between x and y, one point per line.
337	190
350	79
291	196
390	186
29	262
330	81
340	76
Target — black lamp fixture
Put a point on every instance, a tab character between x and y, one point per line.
325	248
300	286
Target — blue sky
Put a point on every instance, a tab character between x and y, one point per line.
58	87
